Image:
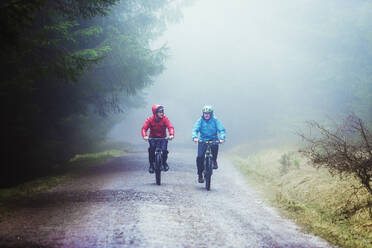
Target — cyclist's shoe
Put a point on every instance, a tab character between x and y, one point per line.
200	179
151	168
165	167
215	165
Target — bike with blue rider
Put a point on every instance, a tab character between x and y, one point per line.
208	132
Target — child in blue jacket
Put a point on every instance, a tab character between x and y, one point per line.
210	128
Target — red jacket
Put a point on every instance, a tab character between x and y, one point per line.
157	126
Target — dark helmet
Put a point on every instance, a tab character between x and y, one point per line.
156	108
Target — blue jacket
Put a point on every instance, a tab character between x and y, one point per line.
209	129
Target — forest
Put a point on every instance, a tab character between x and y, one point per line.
291	81
70	69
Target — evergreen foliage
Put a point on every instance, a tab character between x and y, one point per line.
68	66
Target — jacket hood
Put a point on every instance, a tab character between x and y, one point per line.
155	108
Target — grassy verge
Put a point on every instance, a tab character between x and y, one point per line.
61	173
327	206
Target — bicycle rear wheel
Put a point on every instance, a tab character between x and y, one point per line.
158	162
208	173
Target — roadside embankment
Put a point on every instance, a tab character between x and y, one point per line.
337	209
60	174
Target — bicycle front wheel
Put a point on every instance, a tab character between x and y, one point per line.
158	162
208	173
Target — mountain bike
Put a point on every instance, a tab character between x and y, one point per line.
158	160
208	162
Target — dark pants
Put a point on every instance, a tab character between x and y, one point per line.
163	144
202	147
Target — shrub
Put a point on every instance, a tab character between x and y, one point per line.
344	150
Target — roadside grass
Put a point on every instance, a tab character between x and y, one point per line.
88	159
336	209
61	173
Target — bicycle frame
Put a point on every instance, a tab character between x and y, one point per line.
158	160
208	170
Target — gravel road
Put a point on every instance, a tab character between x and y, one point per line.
118	204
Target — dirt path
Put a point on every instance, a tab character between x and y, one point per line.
118	205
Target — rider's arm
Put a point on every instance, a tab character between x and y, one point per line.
169	126
221	130
145	127
196	129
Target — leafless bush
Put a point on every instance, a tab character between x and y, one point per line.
345	150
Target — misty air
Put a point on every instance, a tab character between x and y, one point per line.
186	123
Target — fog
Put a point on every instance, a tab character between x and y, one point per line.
266	67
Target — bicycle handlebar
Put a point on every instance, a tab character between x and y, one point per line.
209	141
166	138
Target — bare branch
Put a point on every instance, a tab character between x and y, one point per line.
345	150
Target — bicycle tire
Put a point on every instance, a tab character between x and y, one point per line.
158	161
208	173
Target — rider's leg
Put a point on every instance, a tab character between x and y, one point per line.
214	156
164	146
151	156
199	165
200	160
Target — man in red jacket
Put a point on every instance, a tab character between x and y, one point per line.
158	123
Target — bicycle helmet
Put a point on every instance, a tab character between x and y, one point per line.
207	109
